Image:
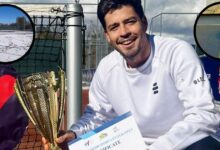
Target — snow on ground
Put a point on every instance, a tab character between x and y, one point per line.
14	44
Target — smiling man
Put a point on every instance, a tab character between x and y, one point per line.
125	31
160	80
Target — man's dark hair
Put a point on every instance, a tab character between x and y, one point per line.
110	5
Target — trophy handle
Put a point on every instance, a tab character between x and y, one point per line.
62	96
20	97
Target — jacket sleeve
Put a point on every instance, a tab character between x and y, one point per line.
98	111
200	118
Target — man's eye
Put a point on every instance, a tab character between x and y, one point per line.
131	21
113	28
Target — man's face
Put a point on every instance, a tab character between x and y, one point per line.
125	31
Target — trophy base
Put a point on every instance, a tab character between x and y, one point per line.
54	147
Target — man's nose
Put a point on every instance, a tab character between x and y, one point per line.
124	31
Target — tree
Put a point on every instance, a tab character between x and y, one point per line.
20	21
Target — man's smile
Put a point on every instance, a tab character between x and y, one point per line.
127	42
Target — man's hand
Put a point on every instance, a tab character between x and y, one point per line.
62	140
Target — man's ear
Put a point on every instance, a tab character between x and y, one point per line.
107	36
145	23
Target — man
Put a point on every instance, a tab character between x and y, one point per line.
160	80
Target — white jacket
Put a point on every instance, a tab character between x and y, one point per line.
169	96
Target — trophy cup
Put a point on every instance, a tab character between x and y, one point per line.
42	98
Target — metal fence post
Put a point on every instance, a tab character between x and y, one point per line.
74	61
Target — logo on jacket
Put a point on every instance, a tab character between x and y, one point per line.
155	88
199	80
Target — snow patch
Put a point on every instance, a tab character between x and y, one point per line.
14	44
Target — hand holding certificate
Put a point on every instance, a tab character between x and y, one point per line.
119	134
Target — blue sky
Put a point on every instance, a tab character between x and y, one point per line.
8	14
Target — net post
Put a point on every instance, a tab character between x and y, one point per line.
74	61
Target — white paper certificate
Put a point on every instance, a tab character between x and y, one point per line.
121	133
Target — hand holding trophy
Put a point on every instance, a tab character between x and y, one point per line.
43	103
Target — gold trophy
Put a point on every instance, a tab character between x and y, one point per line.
42	98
